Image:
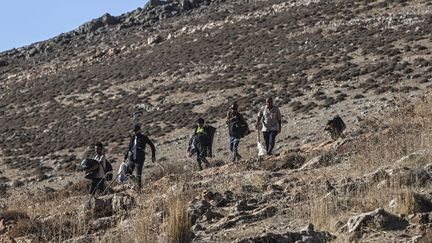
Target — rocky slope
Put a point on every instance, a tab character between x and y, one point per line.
171	62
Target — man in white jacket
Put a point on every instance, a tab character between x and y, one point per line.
98	181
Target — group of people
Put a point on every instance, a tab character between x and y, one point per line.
269	117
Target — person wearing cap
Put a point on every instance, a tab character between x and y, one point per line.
98	181
136	153
237	128
271	121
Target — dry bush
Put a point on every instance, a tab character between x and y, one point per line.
176	222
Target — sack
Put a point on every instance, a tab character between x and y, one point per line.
122	172
261	148
108	171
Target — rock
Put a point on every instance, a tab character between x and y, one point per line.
155	39
378	219
122	202
377	176
104	223
17	183
7	239
99	207
416	176
320	161
419	218
210	215
421	203
310	236
241	206
2	227
420	157
196	210
3	63
98	23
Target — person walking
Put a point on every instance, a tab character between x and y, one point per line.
238	128
136	153
271	121
201	142
99	179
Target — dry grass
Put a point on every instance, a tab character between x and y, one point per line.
161	215
51	229
408	130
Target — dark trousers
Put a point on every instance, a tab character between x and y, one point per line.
200	159
95	184
270	138
139	167
234	143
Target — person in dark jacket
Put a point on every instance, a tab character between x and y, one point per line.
201	142
136	153
238	128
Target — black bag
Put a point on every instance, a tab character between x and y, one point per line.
108	171
87	164
91	174
238	129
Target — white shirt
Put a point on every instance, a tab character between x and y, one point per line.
102	164
269	118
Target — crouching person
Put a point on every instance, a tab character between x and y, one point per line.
98	181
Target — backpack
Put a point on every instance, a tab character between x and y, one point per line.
108	171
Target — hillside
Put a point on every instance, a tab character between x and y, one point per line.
170	62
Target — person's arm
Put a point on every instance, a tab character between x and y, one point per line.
153	149
129	148
279	118
228	118
258	118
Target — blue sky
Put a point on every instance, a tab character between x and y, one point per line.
23	22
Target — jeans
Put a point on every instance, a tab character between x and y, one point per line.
270	138
96	183
234	143
139	167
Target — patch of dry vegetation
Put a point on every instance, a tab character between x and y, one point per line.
406	130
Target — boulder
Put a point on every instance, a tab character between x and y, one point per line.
98	23
378	219
320	161
108	205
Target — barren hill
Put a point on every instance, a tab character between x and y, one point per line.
170	62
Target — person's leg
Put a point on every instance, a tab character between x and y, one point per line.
236	155
232	147
266	136
101	185
199	161
92	186
272	139
139	168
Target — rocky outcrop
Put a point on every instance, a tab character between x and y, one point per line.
105	20
377	219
